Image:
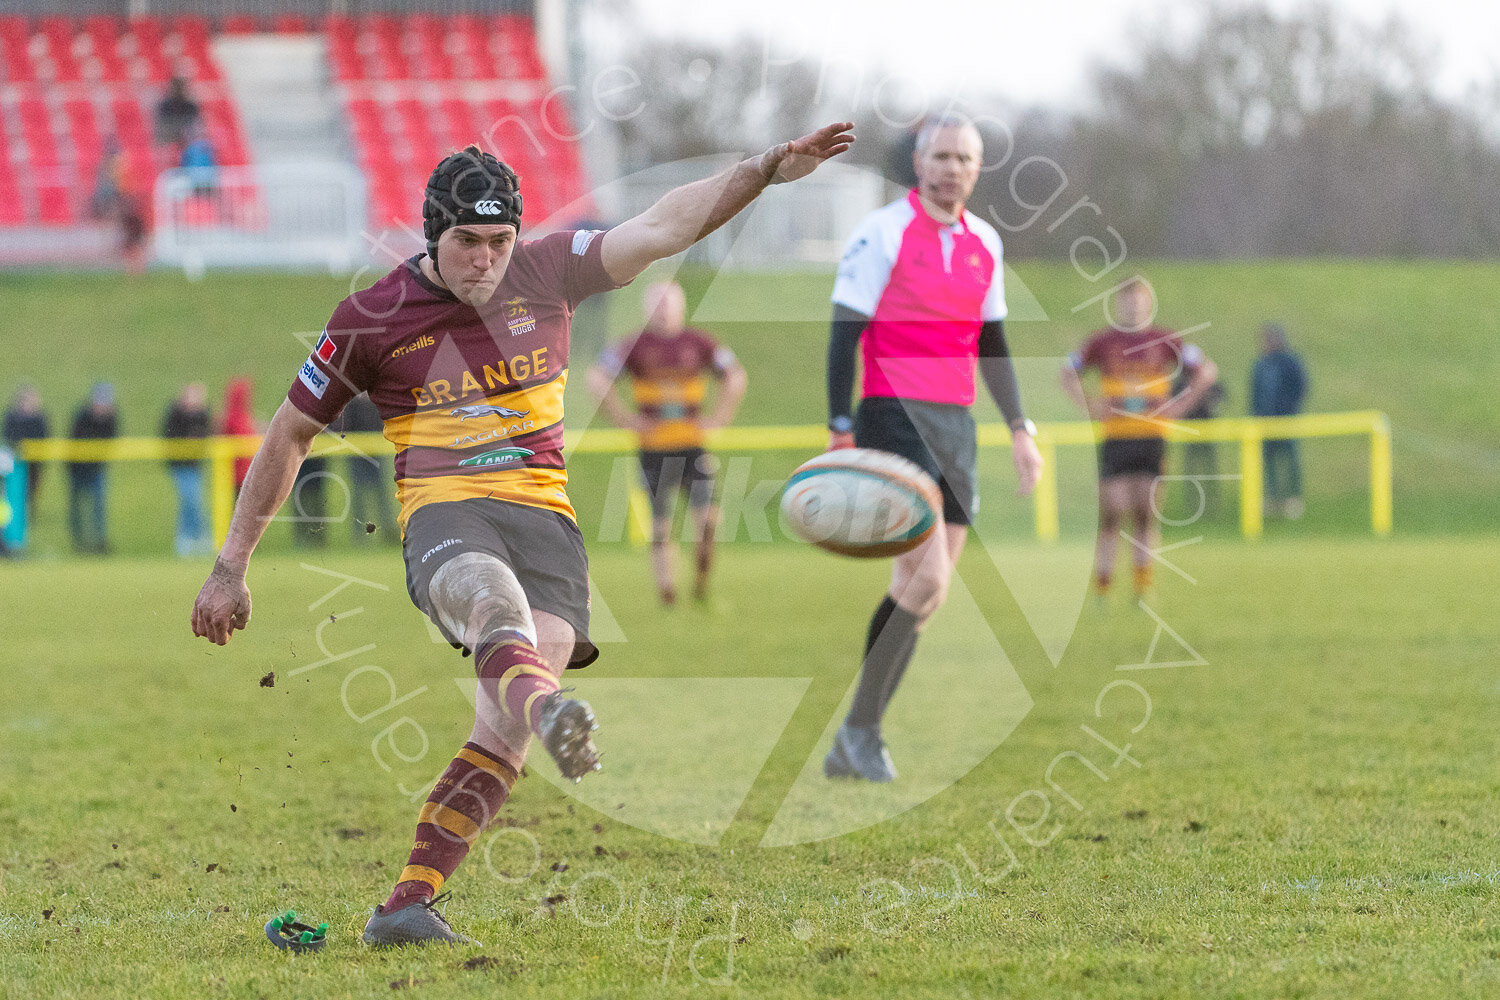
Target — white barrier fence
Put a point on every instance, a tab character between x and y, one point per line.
302	215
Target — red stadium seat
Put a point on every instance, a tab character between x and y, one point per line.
15	55
131	127
36	131
412	110
151	62
240	24
83	125
193	28
339	26
12	207
54	189
291	24
383	25
72	81
57	35
456	126
344	57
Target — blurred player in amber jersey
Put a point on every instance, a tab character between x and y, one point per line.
670	365
1137	363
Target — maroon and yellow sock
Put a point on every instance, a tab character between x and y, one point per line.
1142	579
514	674
1101	581
462	803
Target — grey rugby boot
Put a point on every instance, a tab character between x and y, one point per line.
565	726
859	752
415	923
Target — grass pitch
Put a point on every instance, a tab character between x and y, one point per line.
1313	813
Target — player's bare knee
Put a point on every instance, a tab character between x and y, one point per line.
924	591
474	595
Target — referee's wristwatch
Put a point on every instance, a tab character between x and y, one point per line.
841	425
1023	424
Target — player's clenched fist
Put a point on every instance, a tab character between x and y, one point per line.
223	605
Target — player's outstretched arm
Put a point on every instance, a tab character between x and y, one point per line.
686	214
223	604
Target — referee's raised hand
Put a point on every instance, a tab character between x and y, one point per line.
793	160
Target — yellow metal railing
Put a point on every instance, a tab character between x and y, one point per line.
1249	432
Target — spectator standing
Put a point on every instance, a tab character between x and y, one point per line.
26	421
117	198
96	420
199	161
1200	459
369	476
310	504
187	419
176	113
1278	385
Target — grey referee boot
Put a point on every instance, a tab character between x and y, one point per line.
415	923
859	752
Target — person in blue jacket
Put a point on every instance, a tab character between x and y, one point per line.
1278	385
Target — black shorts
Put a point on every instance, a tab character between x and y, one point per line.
542	547
1131	457
939	437
690	470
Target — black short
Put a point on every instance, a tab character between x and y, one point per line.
939	437
1131	457
690	470
542	547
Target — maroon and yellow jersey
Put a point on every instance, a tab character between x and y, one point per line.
471	398
1135	376
669	381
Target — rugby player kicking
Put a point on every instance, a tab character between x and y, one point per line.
464	350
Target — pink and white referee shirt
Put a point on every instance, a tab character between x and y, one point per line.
927	287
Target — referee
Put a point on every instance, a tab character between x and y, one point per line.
919	293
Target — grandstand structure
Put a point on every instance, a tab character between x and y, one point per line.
383	92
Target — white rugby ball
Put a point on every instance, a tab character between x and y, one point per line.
861	502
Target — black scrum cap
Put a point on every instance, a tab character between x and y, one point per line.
469	187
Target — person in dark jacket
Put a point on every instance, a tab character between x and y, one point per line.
25	421
1278	385
187	419
1200	459
96	420
370	476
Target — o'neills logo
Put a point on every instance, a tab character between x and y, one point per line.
499	456
416	345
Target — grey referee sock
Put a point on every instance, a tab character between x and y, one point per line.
889	645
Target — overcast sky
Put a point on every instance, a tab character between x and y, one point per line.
1034	52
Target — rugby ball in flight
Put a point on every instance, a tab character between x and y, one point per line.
861	502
